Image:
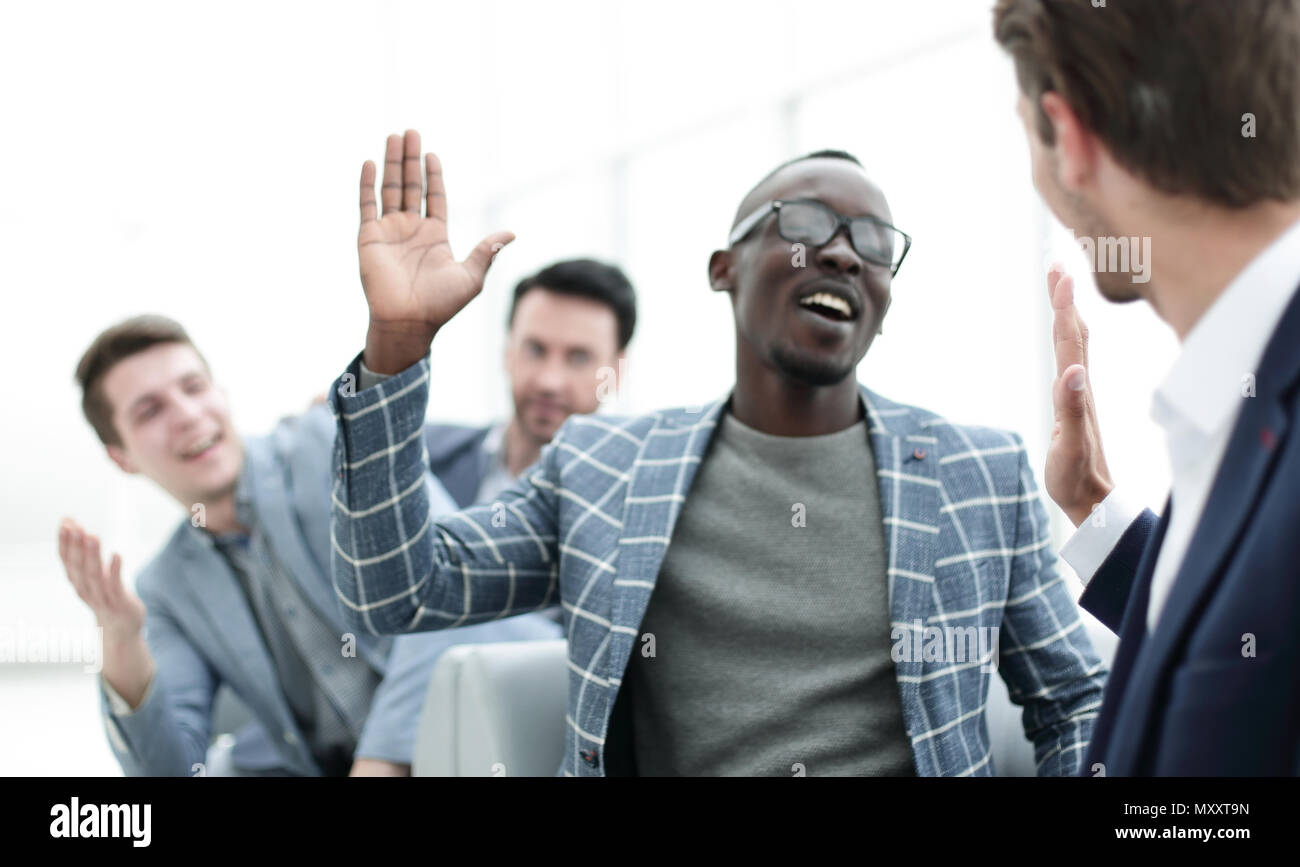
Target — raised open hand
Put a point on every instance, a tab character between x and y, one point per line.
413	283
119	611
1076	475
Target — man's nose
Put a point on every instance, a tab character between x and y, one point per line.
838	254
187	411
552	376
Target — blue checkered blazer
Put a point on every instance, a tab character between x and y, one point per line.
590	522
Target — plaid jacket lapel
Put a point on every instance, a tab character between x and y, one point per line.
660	480
906	470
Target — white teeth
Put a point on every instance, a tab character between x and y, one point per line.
825	299
199	447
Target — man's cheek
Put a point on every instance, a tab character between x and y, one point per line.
585	397
154	454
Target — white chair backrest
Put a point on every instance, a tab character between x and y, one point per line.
498	710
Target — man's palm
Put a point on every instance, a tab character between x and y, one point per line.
119	611
1076	475
411	279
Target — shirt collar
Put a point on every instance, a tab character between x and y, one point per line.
494	444
1204	388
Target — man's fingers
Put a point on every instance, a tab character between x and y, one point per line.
1067	341
65	534
1070	395
369	210
412	180
1061	291
391	190
1083	336
76	554
113	586
436	197
69	553
1069	332
1067	338
94	571
480	258
1054	274
77	566
94	566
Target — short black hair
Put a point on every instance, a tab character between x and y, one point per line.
586	278
826	153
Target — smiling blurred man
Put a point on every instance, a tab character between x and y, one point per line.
569	327
779	583
239	596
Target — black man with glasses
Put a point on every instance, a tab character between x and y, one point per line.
802	578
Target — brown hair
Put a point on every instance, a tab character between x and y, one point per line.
1167	85
113	345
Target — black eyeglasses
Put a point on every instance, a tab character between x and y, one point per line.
808	221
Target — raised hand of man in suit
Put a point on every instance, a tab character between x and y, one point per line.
1076	475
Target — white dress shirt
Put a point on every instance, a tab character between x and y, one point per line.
1197	406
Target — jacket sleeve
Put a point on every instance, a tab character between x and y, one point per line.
168	734
1047	660
1106	595
395	568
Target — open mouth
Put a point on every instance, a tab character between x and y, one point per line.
201	448
832	302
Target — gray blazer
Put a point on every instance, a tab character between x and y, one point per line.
203	633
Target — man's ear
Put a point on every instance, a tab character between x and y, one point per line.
1076	146
119	457
720	271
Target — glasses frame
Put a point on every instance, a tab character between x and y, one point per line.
747	225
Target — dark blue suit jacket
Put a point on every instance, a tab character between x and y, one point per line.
1215	690
456	458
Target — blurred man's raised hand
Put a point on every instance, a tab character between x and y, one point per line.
128	665
119	611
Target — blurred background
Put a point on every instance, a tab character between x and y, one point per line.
200	160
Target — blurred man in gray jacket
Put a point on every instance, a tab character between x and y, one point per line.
240	595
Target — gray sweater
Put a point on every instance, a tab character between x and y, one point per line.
770	618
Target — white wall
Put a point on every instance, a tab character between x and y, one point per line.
202	161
